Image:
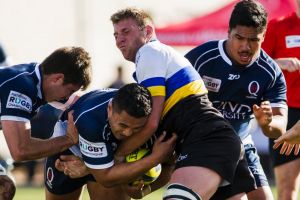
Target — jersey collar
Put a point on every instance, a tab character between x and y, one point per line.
221	46
39	84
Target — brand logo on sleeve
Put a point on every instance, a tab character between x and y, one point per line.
92	149
19	101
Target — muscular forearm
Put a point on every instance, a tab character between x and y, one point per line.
276	128
124	173
36	148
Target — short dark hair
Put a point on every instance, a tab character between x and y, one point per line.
140	16
134	99
249	13
73	62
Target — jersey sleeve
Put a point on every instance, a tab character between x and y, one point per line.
276	94
151	71
96	152
193	54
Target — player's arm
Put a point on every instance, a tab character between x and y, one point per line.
290	64
272	120
123	173
136	140
140	190
23	147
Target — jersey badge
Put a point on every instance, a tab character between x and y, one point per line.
19	101
49	176
212	84
253	89
292	41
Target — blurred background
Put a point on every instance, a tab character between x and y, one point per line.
31	29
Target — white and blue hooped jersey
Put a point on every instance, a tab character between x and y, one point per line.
164	72
96	142
235	89
20	92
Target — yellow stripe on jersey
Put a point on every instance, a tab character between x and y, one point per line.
195	87
157	90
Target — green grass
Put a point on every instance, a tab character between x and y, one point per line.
27	193
31	193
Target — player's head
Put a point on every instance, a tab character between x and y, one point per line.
132	29
129	110
65	71
7	186
247	26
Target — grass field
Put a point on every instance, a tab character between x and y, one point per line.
26	193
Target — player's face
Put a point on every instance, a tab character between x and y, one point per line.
123	125
244	44
55	89
129	37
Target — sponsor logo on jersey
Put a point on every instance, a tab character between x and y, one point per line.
292	41
212	84
19	101
253	89
233	76
49	176
92	149
233	111
181	157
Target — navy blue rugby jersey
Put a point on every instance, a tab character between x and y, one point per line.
96	141
20	92
233	89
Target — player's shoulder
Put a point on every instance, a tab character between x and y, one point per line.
204	51
19	78
93	100
283	21
154	47
204	48
267	63
92	106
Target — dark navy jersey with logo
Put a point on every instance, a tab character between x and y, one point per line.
234	89
96	142
20	92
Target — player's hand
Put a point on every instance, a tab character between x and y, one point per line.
71	166
7	188
162	148
290	64
72	133
290	140
137	191
263	113
119	159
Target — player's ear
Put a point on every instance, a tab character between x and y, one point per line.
109	109
148	31
57	78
